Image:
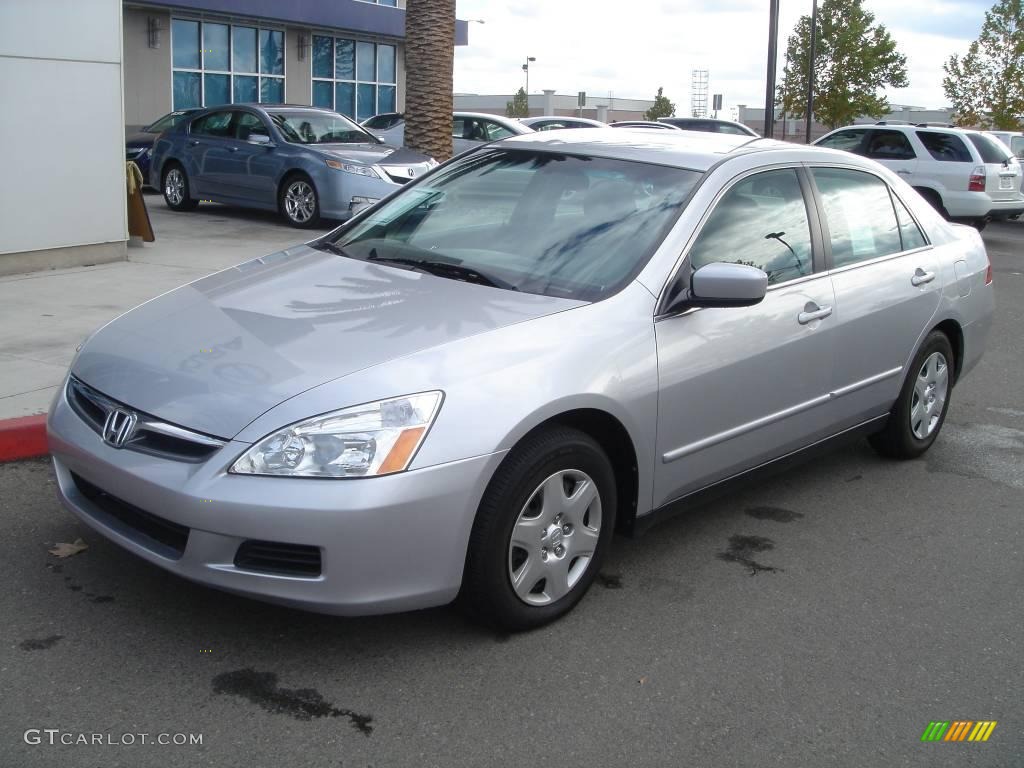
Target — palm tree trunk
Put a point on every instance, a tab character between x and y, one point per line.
429	61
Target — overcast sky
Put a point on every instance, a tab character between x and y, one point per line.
630	48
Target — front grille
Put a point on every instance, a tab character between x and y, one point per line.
278	558
152	532
150	435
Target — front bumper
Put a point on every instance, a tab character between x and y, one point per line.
386	544
339	189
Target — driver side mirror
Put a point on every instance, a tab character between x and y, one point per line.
261	139
720	284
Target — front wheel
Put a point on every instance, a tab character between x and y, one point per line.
176	190
542	530
918	415
299	202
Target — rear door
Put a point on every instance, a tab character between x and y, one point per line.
253	168
887	289
893	150
946	164
207	157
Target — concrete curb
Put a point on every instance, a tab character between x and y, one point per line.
23	438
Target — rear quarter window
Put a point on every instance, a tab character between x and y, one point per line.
945	147
991	150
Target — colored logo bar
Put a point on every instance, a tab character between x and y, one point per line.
958	730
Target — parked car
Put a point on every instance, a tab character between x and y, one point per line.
382	121
139	146
1014	140
470	386
305	162
643	124
557	122
709	124
469	130
966	175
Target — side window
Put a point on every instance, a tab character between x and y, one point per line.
458	127
848	141
213	124
861	219
761	221
991	150
1017	145
495	131
248	125
731	129
910	233
945	147
889	145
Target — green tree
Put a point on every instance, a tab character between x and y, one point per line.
662	107
519	106
854	59
429	63
986	85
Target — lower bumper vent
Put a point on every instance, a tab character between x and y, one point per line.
278	558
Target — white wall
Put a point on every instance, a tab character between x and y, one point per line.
62	132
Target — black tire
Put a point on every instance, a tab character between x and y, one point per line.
300	215
934	200
487	591
177	197
897	440
979	224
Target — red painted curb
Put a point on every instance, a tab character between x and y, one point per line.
23	438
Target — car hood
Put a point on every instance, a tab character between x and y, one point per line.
217	353
370	154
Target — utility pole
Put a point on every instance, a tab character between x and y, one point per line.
810	69
526	69
773	55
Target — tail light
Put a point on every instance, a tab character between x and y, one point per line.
978	177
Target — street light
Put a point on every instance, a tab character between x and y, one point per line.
526	69
810	69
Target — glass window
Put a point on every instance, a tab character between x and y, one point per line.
366	101
910	233
848	141
218	89
344	60
323	94
213	124
537	222
945	147
991	150
495	131
889	145
1017	145
185	43
345	98
386	98
318	128
245	49
323	56
761	221
366	65
246	89
187	90
271	90
271	52
217	47
386	63
458	127
167	121
731	129
248	125
859	211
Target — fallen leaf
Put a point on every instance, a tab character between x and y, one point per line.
642	680
63	549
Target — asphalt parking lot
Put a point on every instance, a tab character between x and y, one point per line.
823	618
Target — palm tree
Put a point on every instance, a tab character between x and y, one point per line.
429	61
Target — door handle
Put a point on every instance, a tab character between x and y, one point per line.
921	277
232	149
193	143
813	312
904	172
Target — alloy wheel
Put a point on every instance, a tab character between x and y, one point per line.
555	537
174	187
300	202
930	391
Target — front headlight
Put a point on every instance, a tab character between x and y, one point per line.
362	441
359	170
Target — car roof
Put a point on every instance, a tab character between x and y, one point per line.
906	128
681	149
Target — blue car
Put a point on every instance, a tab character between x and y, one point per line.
305	162
139	146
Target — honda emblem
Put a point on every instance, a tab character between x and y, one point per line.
118	428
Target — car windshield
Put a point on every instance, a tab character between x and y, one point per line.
320	128
538	222
167	121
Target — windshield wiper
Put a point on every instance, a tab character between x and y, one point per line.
445	269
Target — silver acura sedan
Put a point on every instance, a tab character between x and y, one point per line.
466	389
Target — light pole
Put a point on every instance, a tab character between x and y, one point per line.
810	69
526	69
773	54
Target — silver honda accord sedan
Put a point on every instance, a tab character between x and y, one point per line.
466	389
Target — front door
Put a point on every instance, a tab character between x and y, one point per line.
741	386
252	167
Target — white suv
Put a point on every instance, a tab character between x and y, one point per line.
966	175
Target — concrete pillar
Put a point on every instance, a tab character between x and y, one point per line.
549	102
602	113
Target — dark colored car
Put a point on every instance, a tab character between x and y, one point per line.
305	162
139	146
709	125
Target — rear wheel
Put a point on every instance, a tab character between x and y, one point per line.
543	527
176	189
299	202
920	410
934	200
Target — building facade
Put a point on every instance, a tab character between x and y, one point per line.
346	55
607	109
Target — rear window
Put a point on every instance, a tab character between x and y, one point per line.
1017	145
945	147
845	140
991	150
